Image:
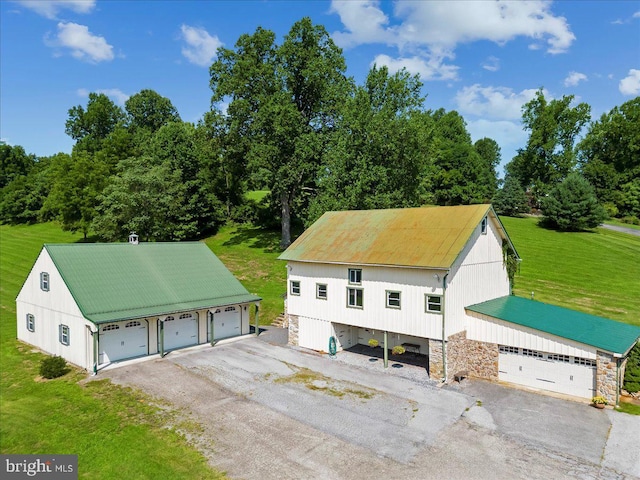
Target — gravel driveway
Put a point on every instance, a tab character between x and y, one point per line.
275	412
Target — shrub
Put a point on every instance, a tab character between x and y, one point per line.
398	350
53	367
632	372
373	342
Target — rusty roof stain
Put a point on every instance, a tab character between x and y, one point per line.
425	237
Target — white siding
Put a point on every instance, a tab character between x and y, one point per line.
478	275
315	334
410	319
491	330
51	309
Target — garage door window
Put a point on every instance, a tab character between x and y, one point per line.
108	328
532	353
31	322
584	361
169	319
559	358
185	315
230	309
507	349
135	323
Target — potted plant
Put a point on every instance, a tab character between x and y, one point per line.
599	401
398	350
373	343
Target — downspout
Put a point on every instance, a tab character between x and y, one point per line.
213	342
257	319
444	344
95	349
161	338
617	380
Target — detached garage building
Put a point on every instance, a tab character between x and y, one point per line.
95	304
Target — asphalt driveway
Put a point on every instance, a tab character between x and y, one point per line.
271	411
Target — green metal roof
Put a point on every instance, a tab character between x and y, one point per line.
426	237
599	332
116	281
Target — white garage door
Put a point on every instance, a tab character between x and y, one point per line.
180	331
547	371
122	340
226	323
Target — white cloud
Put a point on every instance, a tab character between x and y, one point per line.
493	102
201	47
427	69
115	94
636	15
83	44
442	25
50	8
492	64
630	85
574	79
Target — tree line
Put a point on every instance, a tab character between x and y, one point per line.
285	118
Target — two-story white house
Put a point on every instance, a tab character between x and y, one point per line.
424	278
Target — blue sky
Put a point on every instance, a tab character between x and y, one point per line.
483	59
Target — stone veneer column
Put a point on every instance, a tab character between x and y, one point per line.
435	359
606	376
293	329
479	359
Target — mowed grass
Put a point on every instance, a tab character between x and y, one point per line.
593	272
117	433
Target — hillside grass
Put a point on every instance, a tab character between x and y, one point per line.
117	433
593	272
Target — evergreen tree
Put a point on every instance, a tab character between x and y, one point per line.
511	199
572	205
632	372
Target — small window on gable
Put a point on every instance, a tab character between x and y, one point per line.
64	335
44	281
295	287
321	291
433	303
393	299
31	322
483	226
355	276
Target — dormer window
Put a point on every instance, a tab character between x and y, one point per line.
483	226
44	281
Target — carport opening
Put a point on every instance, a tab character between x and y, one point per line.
407	358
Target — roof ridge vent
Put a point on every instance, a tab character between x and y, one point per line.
133	238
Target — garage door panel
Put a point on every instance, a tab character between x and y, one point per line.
118	341
226	323
180	331
556	373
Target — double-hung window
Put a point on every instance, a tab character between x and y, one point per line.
355	297
393	299
295	287
355	276
321	291
63	334
31	322
433	303
44	281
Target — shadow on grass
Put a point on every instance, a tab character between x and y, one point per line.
546	224
255	237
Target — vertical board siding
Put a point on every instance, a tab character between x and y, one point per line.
413	284
315	334
478	275
492	330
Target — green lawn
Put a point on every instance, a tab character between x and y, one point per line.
597	273
117	434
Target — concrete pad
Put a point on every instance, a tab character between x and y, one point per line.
622	452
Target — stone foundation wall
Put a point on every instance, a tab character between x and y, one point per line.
479	359
293	321
606	376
